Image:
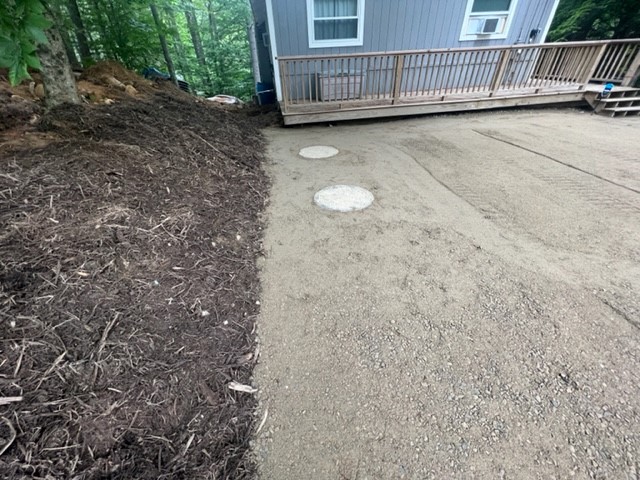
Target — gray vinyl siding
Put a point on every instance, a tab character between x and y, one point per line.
261	28
404	25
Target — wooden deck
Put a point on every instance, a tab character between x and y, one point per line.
348	87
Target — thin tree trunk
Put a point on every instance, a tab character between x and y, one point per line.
192	24
59	84
81	35
163	42
178	46
70	51
55	11
215	44
101	22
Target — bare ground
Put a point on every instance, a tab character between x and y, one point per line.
480	320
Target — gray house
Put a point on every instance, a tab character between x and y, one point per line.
328	57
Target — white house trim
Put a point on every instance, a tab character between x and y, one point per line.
545	32
274	50
466	37
350	42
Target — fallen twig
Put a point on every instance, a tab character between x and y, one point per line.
51	368
264	420
239	387
102	343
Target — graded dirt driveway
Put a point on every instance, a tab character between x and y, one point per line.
480	320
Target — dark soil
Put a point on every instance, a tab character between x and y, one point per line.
16	111
129	292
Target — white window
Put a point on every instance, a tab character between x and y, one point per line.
335	23
488	19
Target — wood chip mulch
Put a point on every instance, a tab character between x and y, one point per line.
129	292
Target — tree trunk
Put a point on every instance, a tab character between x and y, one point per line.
102	45
178	46
59	84
215	44
56	13
163	42
81	35
192	23
68	48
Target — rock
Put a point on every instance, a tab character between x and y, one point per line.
131	90
114	82
38	91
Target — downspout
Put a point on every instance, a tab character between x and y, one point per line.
253	46
274	49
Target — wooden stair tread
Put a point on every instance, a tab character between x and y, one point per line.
623	109
620	99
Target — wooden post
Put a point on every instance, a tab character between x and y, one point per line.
397	77
503	61
595	64
633	72
285	94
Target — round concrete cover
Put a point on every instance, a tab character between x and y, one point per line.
343	198
319	151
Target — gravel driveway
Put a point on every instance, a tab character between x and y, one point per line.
480	320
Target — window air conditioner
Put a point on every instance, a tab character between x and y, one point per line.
488	26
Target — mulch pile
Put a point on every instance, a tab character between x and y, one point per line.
15	110
129	291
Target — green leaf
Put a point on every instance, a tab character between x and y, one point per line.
20	7
32	61
13	75
34	5
18	72
37	34
9	51
37	20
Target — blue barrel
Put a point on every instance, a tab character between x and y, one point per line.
266	93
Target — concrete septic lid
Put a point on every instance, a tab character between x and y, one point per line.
319	151
343	198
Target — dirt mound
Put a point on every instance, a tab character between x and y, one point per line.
129	292
100	71
16	110
118	80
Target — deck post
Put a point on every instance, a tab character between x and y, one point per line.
284	66
633	73
397	77
501	67
596	63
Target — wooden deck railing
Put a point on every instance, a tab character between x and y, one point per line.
394	77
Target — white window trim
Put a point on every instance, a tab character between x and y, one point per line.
349	42
466	37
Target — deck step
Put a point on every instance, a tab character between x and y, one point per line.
623	109
619	103
620	99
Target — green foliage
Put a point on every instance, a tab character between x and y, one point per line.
124	30
22	25
596	20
